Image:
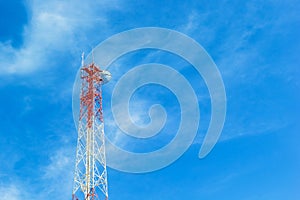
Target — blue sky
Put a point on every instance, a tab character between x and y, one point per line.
255	45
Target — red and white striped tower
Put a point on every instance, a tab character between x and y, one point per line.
90	179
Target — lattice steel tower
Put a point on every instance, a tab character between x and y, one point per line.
90	179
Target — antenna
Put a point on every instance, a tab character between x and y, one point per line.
82	59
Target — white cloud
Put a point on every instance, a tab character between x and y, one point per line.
59	171
60	161
233	131
54	27
10	192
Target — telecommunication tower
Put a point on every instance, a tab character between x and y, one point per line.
90	178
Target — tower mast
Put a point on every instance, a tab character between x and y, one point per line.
90	178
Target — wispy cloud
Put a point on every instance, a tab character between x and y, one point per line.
13	191
55	27
59	171
10	192
240	44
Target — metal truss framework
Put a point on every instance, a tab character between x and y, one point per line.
90	179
